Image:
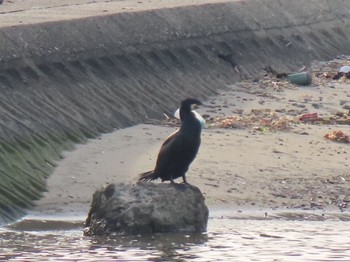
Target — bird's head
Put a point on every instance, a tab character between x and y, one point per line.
187	105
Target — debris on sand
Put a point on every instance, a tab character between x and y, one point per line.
343	73
258	119
306	107
338	136
309	117
337	69
264	120
303	78
268	120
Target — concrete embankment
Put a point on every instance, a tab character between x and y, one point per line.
65	81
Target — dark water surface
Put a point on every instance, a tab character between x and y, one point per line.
227	239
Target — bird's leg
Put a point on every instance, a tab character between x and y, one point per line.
184	179
172	180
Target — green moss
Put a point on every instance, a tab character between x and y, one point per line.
24	166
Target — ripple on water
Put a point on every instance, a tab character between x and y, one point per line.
227	240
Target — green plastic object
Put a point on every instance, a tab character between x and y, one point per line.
302	79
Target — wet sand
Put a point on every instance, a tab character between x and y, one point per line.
242	170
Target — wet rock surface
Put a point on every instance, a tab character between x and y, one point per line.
146	208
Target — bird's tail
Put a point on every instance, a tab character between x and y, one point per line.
148	176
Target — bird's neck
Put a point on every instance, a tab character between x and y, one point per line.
190	125
185	111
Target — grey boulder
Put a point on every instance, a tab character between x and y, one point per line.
146	208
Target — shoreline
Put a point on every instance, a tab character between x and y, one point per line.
237	169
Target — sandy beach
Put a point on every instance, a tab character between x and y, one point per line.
255	167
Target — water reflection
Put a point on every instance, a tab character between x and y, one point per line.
227	240
159	247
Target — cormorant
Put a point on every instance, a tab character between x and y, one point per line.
180	148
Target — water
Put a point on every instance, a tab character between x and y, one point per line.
227	239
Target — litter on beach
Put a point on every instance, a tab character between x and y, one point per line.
338	136
303	78
308	117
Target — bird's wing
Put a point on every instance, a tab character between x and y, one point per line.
168	151
170	139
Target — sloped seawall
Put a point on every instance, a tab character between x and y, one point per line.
63	82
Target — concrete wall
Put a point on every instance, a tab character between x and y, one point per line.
63	82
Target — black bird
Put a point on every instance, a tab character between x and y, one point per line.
179	149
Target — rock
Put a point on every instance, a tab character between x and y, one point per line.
146	208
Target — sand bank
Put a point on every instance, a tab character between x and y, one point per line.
237	169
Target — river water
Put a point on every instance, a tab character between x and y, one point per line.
227	239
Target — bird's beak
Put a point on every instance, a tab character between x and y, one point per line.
206	105
195	106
